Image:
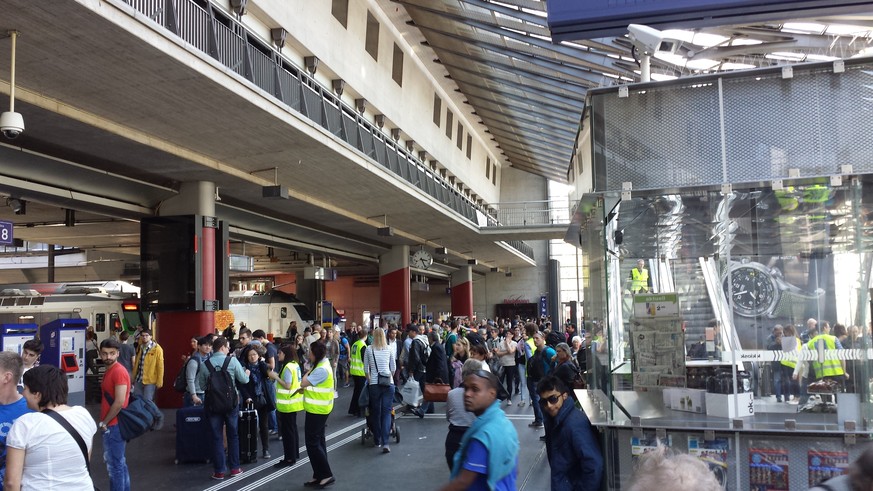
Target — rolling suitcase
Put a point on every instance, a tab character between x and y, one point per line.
248	435
193	435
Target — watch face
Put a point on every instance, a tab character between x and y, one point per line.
421	259
752	289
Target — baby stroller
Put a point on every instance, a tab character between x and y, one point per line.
367	432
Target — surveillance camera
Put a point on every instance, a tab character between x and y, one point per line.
650	40
11	124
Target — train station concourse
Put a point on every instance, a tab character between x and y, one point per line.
681	183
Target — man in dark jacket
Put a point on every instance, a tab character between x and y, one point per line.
417	361
436	368
574	453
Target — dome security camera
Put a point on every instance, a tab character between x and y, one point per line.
11	124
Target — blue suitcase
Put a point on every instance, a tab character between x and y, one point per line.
194	441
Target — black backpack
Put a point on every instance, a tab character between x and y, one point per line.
535	368
181	382
221	396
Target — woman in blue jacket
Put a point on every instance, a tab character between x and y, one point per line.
572	447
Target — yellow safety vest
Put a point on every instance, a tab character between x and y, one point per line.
640	280
356	360
533	349
286	399
792	363
318	399
830	368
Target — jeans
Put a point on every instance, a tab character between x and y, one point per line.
510	377
426	406
521	381
313	430
230	423
381	400
290	436
145	391
778	381
535	400
116	464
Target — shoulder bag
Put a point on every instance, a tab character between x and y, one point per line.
76	436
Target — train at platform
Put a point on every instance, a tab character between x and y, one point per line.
108	306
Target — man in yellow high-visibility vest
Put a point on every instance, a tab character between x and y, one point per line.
641	281
356	370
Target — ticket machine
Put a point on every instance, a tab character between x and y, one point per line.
64	342
13	336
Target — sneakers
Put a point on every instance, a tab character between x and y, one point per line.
508	403
536	424
218	476
267	455
347	385
386	449
521	404
235	472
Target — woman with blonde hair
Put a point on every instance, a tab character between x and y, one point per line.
379	365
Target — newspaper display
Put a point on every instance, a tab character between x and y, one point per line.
646	443
658	353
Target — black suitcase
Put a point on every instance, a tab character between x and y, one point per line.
194	441
248	435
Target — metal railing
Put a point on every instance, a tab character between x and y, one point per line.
530	213
234	46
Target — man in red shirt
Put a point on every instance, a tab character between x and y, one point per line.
116	385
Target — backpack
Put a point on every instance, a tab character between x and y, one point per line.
425	350
140	416
181	382
535	368
554	338
220	393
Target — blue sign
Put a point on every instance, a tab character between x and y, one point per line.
6	235
544	307
573	20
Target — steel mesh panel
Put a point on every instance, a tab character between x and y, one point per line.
814	122
660	138
667	137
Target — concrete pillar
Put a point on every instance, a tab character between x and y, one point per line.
394	294
462	292
174	330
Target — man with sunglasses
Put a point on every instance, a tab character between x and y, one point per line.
573	450
488	456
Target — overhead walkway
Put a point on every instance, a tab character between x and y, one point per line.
527	220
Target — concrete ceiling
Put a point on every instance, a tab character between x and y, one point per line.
117	118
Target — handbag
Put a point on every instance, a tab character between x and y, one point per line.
436	391
385	378
76	436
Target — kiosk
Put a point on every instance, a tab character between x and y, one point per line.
13	336
64	341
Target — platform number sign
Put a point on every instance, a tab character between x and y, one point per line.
6	232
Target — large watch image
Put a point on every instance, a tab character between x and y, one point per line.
757	290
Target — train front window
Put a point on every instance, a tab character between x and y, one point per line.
100	322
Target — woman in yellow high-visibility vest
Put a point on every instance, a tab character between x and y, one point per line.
289	402
317	386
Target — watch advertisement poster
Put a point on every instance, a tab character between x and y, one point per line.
714	453
768	467
764	291
825	464
658	353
